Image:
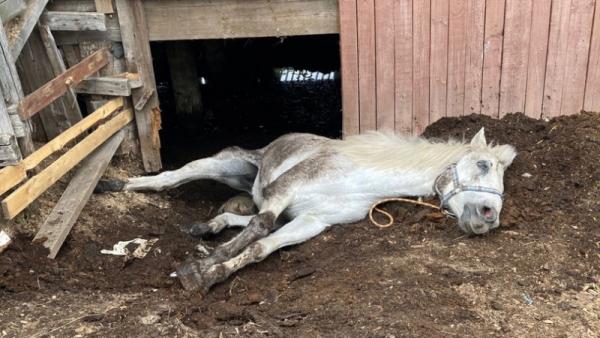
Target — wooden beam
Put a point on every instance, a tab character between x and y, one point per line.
74	21
112	86
104	6
32	189
57	226
39	99
13	175
9	150
239	19
349	60
72	111
26	25
136	45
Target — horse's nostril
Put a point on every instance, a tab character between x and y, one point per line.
488	213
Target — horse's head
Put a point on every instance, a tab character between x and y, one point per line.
472	188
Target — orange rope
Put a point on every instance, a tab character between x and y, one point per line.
388	215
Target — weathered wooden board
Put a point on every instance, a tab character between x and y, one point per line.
349	60
111	86
26	25
24	195
13	175
39	99
136	45
457	40
421	55
592	86
538	50
239	19
515	56
403	19
367	78
57	226
580	30
474	56
492	57
74	21
384	58
557	58
9	150
438	65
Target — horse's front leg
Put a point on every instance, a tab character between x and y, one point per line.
191	272
297	231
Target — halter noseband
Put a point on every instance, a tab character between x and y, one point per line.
458	188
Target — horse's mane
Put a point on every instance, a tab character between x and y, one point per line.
386	150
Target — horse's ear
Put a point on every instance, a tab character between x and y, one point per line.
506	154
478	141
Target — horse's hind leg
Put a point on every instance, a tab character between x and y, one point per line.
294	232
233	166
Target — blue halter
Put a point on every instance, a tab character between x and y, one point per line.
458	188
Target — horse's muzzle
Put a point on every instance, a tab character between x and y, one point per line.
478	218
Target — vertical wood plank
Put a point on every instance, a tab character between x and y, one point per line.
474	55
136	45
403	64
513	80
557	58
366	65
421	55
104	6
592	86
578	48
457	37
438	64
349	60
538	50
384	40
492	57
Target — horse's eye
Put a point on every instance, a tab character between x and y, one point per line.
484	166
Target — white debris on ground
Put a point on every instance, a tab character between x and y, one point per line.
137	248
527	175
5	240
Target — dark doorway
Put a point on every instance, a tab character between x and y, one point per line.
245	92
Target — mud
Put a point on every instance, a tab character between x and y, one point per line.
538	275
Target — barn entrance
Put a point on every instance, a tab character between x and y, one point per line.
218	93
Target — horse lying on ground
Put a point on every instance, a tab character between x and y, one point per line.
302	184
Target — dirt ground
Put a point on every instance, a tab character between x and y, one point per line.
537	276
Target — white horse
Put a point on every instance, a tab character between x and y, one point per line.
303	183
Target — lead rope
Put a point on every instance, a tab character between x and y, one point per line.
390	218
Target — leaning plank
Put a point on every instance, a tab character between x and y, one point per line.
26	25
538	51
55	229
384	60
72	113
13	175
492	57
136	45
32	189
421	53
52	90
9	151
474	56
438	79
457	38
74	21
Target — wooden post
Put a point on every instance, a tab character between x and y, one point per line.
9	150
184	77
10	85
136	45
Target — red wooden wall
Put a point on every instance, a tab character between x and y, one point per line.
407	63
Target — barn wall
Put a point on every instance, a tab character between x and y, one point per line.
407	63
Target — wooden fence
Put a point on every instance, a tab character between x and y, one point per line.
407	63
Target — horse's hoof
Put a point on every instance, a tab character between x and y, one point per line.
109	186
196	276
241	204
196	229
